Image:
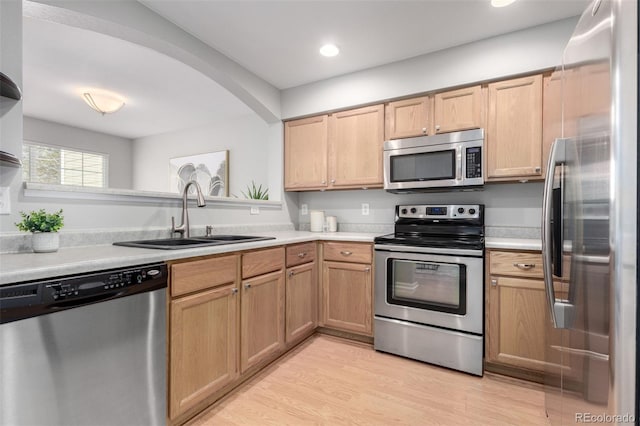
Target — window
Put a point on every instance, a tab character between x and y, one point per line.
56	165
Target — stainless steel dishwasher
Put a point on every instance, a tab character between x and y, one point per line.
85	350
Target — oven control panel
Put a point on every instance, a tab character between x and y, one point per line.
433	211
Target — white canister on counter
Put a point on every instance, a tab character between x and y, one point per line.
317	220
332	224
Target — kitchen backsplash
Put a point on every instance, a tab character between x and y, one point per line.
511	210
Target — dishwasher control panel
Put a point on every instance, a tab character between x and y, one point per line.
103	283
25	299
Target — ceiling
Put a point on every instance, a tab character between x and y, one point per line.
279	40
276	40
161	94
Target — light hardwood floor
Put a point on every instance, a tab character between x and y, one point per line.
330	381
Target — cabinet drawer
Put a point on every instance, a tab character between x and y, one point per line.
262	262
188	277
517	264
301	253
347	252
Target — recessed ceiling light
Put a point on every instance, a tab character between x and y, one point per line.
329	50
501	3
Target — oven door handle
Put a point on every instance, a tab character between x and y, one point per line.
459	163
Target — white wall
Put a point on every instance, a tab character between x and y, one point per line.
246	138
81	214
119	149
11	111
132	21
508	205
518	52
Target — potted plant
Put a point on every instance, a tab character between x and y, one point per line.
256	193
45	227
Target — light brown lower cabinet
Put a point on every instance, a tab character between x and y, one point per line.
262	319
229	315
347	288
203	345
301	301
517	329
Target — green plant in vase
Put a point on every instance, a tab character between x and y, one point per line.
45	227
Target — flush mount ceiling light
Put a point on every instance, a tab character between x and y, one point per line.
501	3
103	102
329	50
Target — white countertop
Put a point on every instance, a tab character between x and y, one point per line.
512	243
18	267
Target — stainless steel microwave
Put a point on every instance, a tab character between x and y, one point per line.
450	161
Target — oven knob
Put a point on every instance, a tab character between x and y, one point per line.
460	210
403	211
413	210
472	211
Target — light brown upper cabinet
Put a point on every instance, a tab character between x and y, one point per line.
551	115
514	130
407	118
459	109
356	138
338	151
305	153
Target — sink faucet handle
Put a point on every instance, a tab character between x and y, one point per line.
174	228
209	230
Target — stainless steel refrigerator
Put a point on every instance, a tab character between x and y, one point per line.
590	220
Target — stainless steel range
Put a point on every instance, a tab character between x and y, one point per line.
429	286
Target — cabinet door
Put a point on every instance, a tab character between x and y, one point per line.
305	153
346	289
203	346
459	109
514	131
355	147
301	301
551	115
262	319
516	332
407	118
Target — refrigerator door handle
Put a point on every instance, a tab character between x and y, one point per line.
560	311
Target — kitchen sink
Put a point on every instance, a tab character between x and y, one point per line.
184	243
233	238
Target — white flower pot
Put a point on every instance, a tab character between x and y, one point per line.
45	242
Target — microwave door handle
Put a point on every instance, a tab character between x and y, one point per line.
559	311
459	164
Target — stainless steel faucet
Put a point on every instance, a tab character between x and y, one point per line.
183	229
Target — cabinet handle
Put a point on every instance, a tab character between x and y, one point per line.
247	286
333	181
525	266
346	253
301	255
437	127
367	269
291	273
494	283
324	182
537	169
234	291
424	130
